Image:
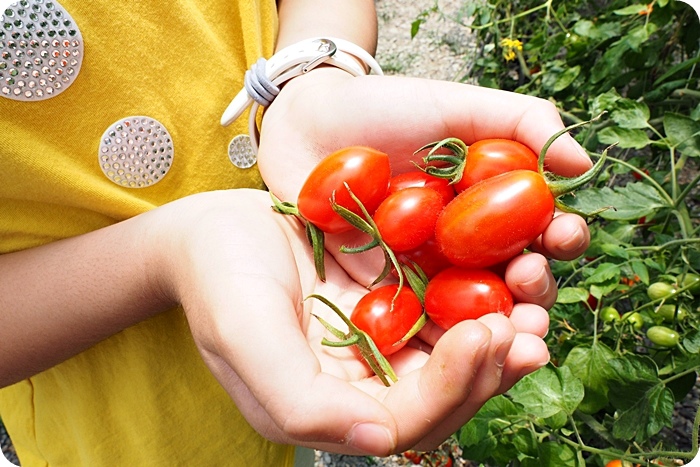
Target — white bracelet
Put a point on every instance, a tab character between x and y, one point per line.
262	81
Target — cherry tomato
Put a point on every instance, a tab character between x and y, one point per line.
669	313
490	157
663	336
407	218
609	314
692	281
614	463
418	179
495	219
458	294
386	326
633	318
427	256
365	170
659	290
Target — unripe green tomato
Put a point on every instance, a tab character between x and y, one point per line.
609	314
633	318
659	290
668	312
692	281
663	336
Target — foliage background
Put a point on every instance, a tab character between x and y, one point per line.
624	337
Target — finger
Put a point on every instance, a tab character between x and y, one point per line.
487	380
422	398
530	120
530	318
567	237
528	354
530	280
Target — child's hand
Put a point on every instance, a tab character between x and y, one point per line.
242	273
328	109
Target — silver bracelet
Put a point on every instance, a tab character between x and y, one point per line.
262	81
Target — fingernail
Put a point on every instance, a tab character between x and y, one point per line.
536	287
574	241
581	152
531	369
371	439
501	354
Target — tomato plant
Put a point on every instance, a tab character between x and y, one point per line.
610	391
365	170
406	219
387	317
458	294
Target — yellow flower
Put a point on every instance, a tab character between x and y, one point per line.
510	46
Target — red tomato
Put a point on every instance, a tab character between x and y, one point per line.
365	170
458	294
490	157
374	315
407	218
427	256
495	219
418	179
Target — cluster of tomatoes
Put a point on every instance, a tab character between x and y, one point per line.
446	228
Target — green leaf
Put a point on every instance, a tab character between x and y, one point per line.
638	36
624	137
415	27
691	341
631	10
480	438
603	273
609	63
640	269
629	202
675	69
602	31
591	366
604	102
572	295
644	404
565	79
630	114
554	454
682	132
548	391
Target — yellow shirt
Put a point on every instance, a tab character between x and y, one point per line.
142	397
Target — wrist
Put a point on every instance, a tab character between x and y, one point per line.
263	80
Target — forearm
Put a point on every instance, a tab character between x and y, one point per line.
59	299
352	20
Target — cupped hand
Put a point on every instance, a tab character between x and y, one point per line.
242	273
328	109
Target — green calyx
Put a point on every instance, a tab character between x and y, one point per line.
355	336
449	166
560	186
314	235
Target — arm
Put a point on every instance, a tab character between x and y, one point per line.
59	299
353	20
257	338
